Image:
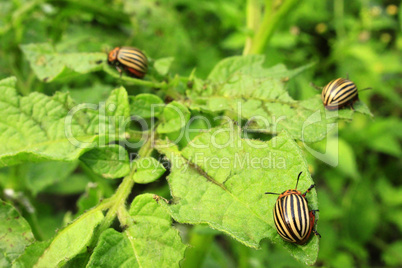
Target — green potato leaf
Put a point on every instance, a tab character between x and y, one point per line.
220	179
148	169
49	65
8	82
391	256
174	117
113	250
38	128
15	234
42	175
31	254
162	66
92	196
244	90
146	105
150	241
70	241
111	161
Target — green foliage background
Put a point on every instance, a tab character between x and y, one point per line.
360	199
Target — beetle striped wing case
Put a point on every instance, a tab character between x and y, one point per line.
294	222
134	60
292	218
131	59
339	93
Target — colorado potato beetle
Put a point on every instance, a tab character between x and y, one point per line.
339	93
293	220
129	58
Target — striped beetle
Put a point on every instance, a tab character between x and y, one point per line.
130	59
339	93
293	221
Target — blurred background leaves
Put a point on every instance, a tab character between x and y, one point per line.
360	199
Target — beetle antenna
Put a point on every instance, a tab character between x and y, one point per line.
106	49
315	86
298	177
365	88
271	193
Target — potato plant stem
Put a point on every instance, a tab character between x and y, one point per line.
132	81
271	19
339	22
117	201
253	16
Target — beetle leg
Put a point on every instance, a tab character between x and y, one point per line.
119	70
314	211
308	190
316	233
315	86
